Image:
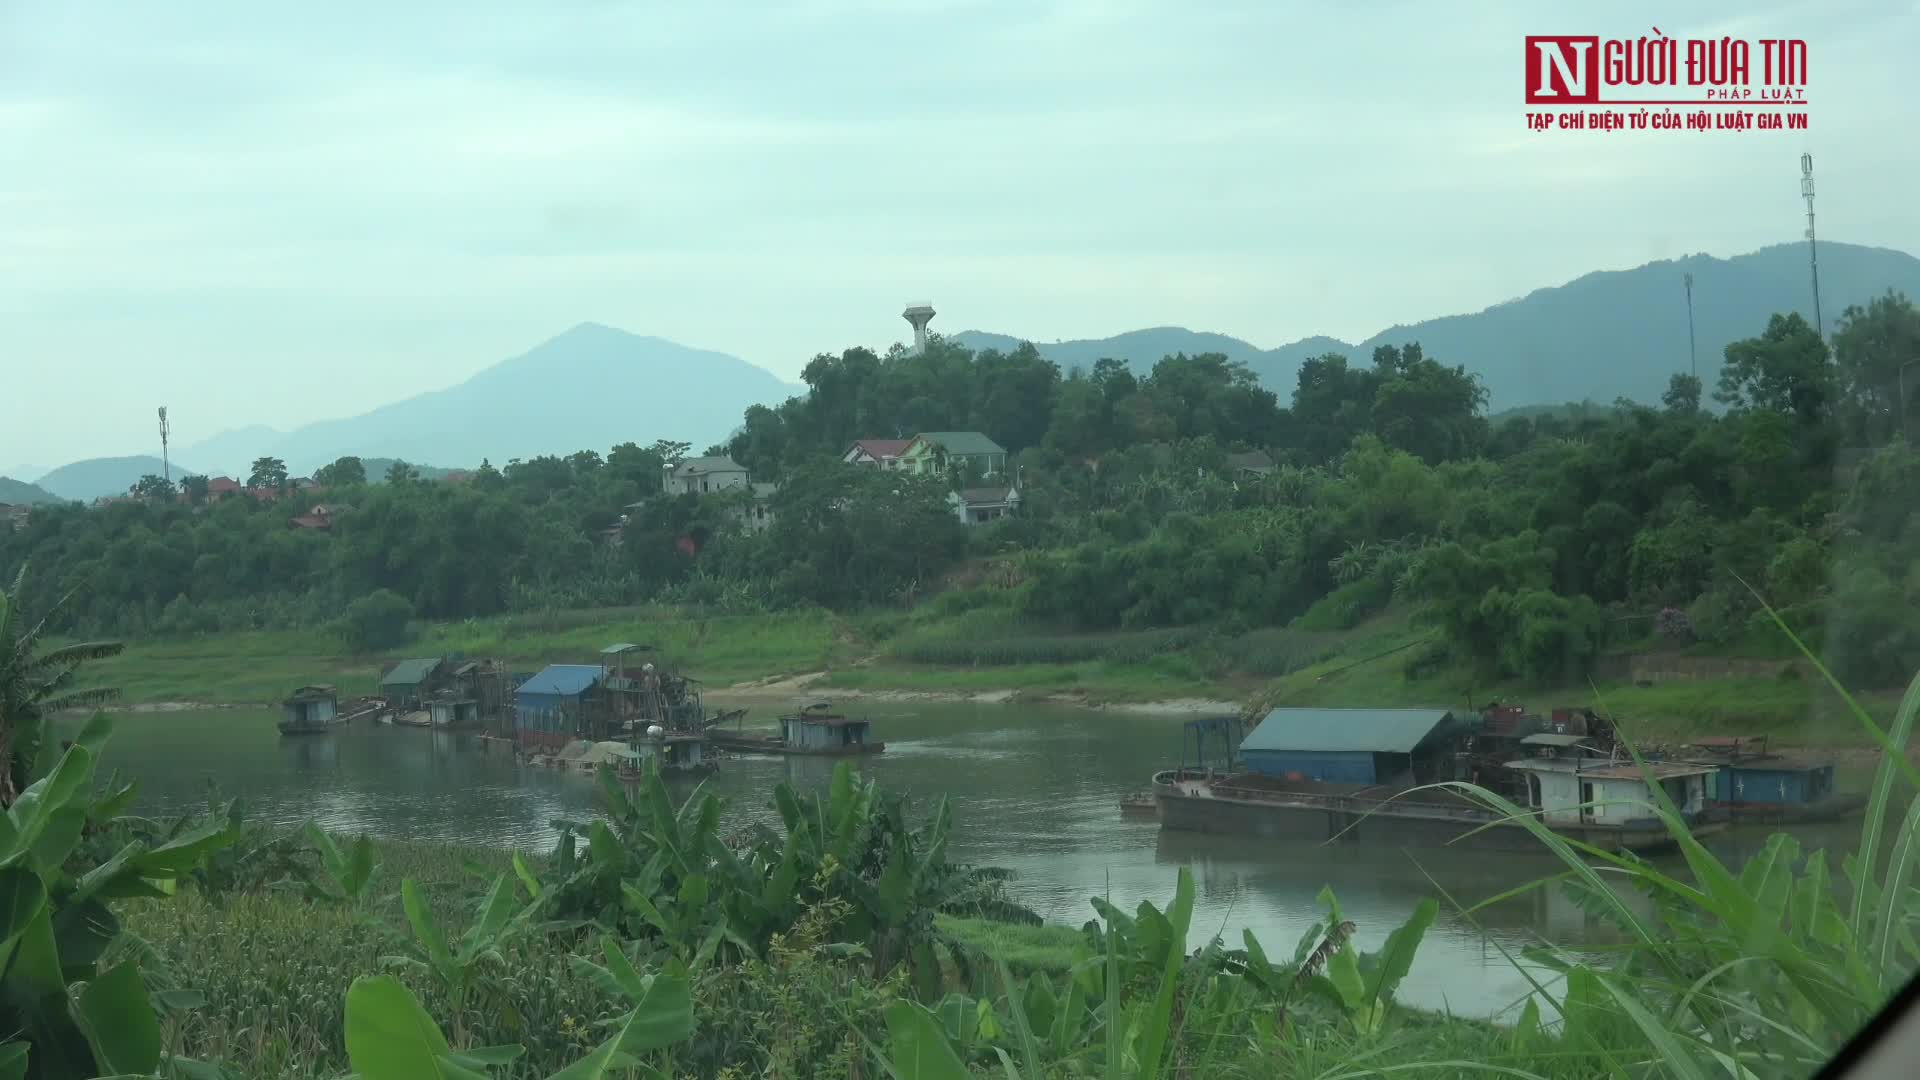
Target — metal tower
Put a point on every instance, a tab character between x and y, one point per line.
919	314
1693	363
1813	254
165	429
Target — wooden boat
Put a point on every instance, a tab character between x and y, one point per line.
416	718
815	730
363	709
310	710
1756	785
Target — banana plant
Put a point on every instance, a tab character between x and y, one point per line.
64	1014
391	1037
349	871
459	966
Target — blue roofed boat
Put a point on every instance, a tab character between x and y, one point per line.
1754	784
1362	775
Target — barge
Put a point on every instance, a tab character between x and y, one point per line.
1366	776
813	730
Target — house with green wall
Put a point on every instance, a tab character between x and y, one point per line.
939	452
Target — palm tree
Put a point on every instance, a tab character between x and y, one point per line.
34	687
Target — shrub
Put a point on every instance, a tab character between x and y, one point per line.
376	621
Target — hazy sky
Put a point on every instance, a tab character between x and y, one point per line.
272	213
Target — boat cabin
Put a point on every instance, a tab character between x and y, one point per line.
454	712
550	709
673	752
1581	789
814	728
1353	746
1750	775
311	707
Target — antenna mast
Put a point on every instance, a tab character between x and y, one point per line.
1693	362
165	429
1813	254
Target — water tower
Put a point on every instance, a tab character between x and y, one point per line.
919	314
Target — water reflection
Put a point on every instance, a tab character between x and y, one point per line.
1034	790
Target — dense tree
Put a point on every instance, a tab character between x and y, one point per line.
1877	352
195	488
269	473
1786	370
153	487
402	473
347	471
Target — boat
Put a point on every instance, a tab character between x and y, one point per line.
670	753
1139	804
366	708
310	710
1366	776
813	730
1754	784
415	718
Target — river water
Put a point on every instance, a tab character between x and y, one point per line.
1034	789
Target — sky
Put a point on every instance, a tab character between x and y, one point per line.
269	214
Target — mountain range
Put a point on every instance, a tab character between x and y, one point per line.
1601	336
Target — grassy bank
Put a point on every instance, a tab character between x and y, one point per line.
962	653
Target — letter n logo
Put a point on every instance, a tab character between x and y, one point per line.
1560	70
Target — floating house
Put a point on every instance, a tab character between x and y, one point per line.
551	709
408	683
1755	784
310	709
672	753
1573	788
1352	746
814	730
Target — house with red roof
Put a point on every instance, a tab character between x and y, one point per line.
884	453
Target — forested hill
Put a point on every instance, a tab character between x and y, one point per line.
1599	337
19	491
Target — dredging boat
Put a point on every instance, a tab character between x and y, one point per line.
1754	784
1363	776
311	710
815	729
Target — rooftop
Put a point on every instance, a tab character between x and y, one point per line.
1379	731
987	496
1660	770
881	448
410	672
563	680
697	466
961	442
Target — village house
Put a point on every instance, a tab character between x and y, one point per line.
701	475
974	506
15	515
883	453
938	452
1250	464
319	517
221	487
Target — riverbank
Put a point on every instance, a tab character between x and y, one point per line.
785	657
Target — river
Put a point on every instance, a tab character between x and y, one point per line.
1034	789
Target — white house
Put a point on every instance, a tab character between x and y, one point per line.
973	506
883	453
700	475
1595	791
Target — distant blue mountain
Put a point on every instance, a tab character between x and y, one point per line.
590	388
1601	336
